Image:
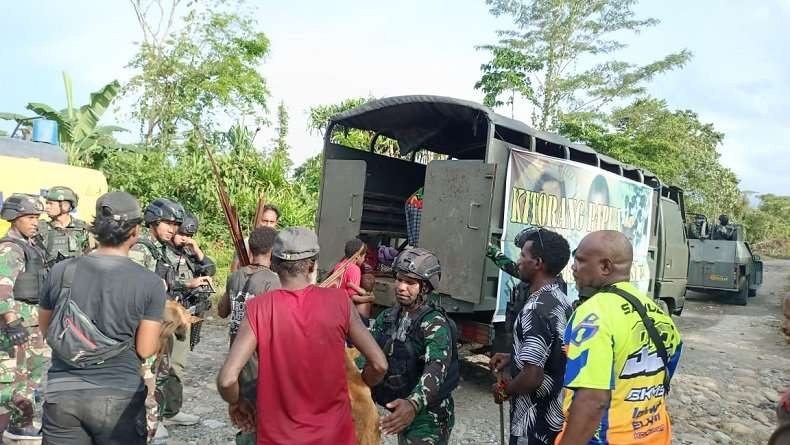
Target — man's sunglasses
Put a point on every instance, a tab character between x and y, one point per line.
526	234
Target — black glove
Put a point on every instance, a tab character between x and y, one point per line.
16	333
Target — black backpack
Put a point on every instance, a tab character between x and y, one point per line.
73	337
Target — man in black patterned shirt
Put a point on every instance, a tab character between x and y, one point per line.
536	365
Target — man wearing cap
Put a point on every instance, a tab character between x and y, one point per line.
22	272
298	406
105	403
63	236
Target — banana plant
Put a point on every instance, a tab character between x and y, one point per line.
79	132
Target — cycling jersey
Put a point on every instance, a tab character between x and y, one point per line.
608	348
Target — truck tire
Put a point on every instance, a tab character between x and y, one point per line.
741	296
664	306
752	292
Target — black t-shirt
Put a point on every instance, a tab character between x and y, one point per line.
257	280
116	294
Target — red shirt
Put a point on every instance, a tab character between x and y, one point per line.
302	390
352	274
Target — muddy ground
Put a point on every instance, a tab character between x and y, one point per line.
734	365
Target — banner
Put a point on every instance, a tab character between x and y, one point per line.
573	200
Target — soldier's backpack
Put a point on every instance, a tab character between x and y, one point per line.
72	335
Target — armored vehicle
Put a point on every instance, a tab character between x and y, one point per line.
720	259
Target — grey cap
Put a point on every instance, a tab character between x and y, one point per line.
118	205
295	243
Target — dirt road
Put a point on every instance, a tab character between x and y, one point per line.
734	365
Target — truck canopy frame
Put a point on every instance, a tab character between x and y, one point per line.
459	129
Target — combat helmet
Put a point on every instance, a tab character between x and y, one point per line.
62	193
419	264
163	209
189	226
20	204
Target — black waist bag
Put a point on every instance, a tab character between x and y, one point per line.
73	337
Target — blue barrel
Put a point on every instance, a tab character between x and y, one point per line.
45	130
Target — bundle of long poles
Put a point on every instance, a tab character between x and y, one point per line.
231	217
259	211
337	274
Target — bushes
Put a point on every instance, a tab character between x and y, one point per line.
184	174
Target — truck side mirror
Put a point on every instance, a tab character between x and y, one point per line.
756	258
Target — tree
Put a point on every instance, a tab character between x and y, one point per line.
540	61
79	132
280	147
674	145
349	137
767	226
185	78
280	142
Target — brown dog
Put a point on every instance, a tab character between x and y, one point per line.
176	321
363	409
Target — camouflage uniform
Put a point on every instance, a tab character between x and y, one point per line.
21	368
155	369
432	425
64	242
503	262
141	254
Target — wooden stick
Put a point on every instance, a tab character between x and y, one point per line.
231	217
259	210
342	269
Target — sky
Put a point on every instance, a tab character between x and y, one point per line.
323	52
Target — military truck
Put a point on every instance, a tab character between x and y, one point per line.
721	261
460	153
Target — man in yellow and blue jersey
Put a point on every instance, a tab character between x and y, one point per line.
616	379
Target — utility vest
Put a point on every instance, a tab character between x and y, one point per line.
64	243
405	364
29	283
164	269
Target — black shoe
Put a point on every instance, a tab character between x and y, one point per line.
22	433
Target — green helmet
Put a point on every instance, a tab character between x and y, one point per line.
419	264
163	209
20	204
190	225
62	193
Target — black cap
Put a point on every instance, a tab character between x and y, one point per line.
120	206
295	243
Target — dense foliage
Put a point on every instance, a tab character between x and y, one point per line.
555	57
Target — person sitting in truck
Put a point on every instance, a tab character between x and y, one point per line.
351	279
698	229
723	231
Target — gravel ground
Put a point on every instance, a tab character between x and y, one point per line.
725	392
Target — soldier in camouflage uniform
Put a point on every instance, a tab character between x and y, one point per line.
23	354
193	272
419	340
162	218
63	236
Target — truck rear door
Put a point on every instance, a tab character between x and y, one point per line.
676	249
341	208
455	223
